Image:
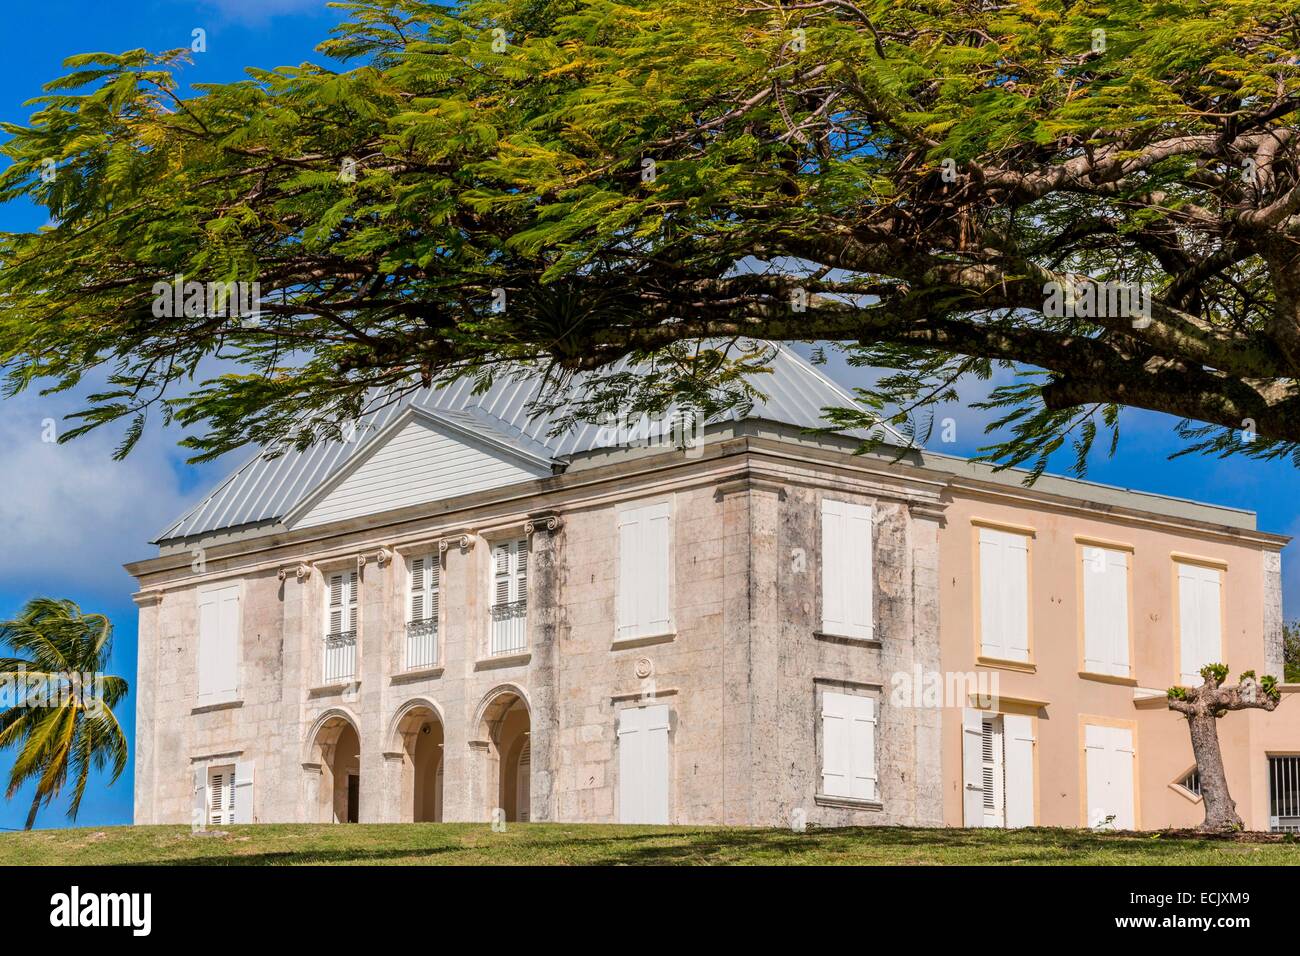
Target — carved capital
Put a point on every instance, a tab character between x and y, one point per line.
298	571
383	556
463	541
551	523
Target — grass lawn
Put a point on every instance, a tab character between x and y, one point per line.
604	844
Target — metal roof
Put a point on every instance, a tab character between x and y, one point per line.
263	490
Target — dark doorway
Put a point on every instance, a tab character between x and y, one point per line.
354	796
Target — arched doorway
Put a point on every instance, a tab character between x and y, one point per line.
506	726
419	737
336	747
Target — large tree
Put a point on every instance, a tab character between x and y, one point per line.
574	181
1203	707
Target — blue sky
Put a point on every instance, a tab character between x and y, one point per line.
71	516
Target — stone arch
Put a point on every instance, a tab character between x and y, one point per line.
417	738
332	766
503	724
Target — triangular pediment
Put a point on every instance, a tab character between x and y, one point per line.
420	458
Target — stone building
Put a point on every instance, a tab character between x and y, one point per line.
454	613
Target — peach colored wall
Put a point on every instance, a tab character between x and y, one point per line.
1163	746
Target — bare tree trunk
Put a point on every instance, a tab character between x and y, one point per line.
1220	809
31	814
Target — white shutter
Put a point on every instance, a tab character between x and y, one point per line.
418	588
433	583
846	565
199	798
643	764
521	570
351	608
1004	594
337	607
221	795
972	740
848	746
862	749
219	627
1199	619
993	783
836	744
501	573
243	792
643	571
1105	611
1018	741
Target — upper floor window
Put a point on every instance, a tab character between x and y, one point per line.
1105	611
424	583
1200	620
509	633
847	581
341	628
1004	594
643	571
219	626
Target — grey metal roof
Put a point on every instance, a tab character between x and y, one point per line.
263	490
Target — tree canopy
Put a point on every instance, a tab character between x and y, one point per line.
571	182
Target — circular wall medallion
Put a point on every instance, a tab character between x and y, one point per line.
644	668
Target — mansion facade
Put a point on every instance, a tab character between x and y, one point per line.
458	615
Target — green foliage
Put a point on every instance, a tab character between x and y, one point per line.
446	154
59	741
1291	652
1216	672
1177	693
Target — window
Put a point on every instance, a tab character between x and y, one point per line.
509	597
424	579
1199	622
1191	782
1004	594
848	746
847	581
219	626
1284	794
643	569
998	769
221	795
341	628
1105	611
643	764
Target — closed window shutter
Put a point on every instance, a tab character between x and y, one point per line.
1004	595
1200	633
521	570
631	553
643	571
848	583
242	797
835	745
1018	763
972	762
848	746
218	658
1105	611
643	769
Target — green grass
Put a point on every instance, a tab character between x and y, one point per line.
601	844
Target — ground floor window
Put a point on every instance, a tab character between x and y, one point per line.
1109	754
1284	794
643	765
997	769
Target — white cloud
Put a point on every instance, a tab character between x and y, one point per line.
70	514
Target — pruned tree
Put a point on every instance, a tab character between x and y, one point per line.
1203	706
1104	198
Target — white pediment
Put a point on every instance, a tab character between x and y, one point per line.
420	459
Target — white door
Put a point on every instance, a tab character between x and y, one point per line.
643	764
1109	754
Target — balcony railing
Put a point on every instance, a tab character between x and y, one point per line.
340	657
509	628
421	643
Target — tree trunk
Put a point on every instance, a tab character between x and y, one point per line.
1220	810
31	814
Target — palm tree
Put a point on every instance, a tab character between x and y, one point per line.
67	733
